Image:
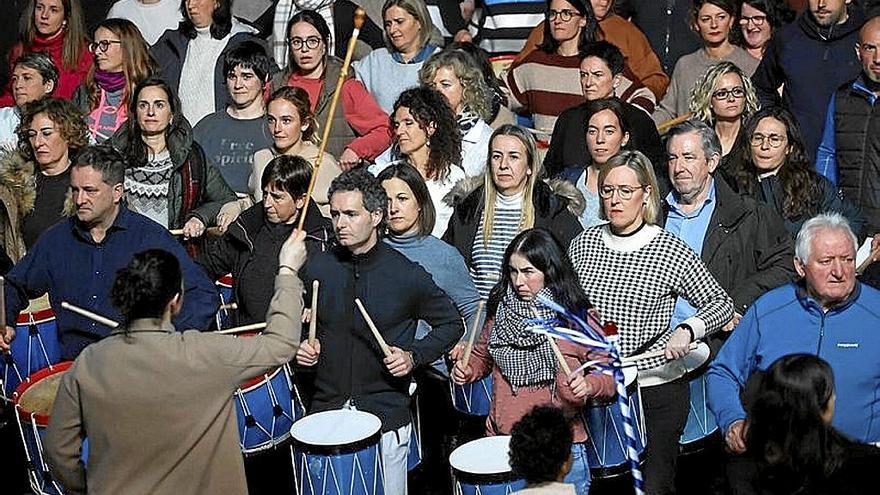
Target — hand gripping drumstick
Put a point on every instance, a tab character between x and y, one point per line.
653	354
384	346
359	18
112	324
313	318
469	346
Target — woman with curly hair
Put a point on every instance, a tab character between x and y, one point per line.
122	60
456	75
427	137
36	177
723	98
759	20
774	169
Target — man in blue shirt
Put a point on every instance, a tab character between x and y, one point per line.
76	259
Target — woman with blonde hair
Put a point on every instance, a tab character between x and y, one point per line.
456	75
724	98
490	211
122	60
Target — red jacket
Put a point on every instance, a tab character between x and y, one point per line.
69	78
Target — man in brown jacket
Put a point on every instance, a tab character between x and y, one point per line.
155	404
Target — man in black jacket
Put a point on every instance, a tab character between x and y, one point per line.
351	371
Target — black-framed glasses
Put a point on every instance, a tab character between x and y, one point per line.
736	91
102	45
311	43
775	140
757	20
625	192
564	14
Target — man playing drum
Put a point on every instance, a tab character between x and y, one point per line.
351	371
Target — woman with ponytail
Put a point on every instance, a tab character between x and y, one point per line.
157	405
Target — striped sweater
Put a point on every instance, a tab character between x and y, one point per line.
487	258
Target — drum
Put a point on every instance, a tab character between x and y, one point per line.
473	398
224	287
337	453
482	467
35	347
606	440
267	407
33	401
701	422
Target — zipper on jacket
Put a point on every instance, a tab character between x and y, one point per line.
821	335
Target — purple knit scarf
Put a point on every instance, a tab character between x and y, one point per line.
110	81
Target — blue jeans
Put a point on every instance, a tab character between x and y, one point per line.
579	476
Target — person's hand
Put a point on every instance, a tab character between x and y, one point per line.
457	352
348	160
306	315
736	437
293	251
875	245
678	343
228	213
580	387
8	337
463	36
400	362
734	321
462	373
193	228
307	355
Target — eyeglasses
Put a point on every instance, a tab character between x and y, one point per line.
311	43
102	45
723	94
775	140
757	20
564	14
625	192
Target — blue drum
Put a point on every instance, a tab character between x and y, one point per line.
337	453
482	467
267	407
606	440
33	401
700	426
473	398
35	347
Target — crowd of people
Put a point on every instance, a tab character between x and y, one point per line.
695	174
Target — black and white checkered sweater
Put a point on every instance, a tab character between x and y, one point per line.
634	282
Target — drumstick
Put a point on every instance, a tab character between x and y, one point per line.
653	354
243	328
103	320
556	350
868	260
385	349
469	346
313	318
212	231
229	306
3	305
664	126
359	18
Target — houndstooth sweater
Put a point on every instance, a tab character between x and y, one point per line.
634	282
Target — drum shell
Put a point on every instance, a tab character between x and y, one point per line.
273	403
36	339
473	398
471	478
700	430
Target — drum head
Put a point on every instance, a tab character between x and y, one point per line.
630	373
335	428
483	456
694	359
35	397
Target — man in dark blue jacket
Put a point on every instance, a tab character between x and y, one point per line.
76	259
811	58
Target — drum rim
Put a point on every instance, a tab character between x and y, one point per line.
257	381
225	281
40	316
484	479
631	390
36	377
333	450
617	470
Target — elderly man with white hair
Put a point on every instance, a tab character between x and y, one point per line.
828	313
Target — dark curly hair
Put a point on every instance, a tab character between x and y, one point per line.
540	445
800	182
65	115
361	180
427	107
145	286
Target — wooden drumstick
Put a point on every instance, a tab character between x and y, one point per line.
556	351
475	328
229	307
384	346
3	305
664	126
212	231
243	328
313	318
653	354
103	320
359	18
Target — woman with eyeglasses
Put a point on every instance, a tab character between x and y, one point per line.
714	21
56	27
547	81
775	169
360	129
758	20
122	60
724	98
633	271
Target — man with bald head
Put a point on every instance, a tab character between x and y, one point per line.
850	151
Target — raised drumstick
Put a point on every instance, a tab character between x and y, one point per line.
384	346
2	305
103	320
469	346
313	319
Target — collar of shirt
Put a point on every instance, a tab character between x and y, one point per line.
121	222
420	57
675	207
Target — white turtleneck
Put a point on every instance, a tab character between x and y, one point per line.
197	75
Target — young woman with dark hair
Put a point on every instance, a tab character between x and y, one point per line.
524	370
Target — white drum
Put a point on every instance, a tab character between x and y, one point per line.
482	467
